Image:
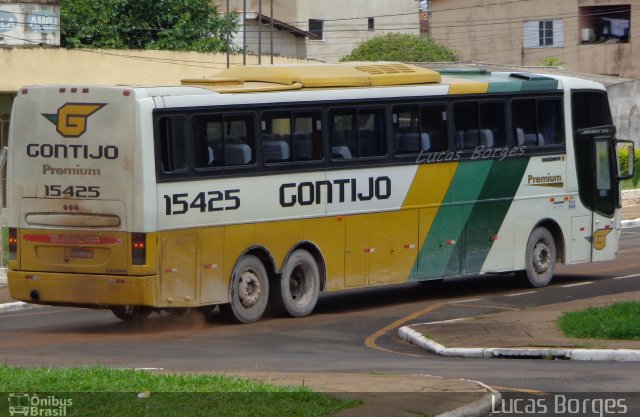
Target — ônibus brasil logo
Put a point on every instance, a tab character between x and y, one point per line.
38	405
71	119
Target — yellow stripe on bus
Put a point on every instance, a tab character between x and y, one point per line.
427	192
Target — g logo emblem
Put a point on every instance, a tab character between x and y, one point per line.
71	119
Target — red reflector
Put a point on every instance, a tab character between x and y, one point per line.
126	93
13	242
24	91
138	248
28	277
608	227
494	238
582	229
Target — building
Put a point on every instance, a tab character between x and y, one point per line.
589	36
324	30
29	22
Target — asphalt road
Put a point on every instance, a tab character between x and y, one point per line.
352	331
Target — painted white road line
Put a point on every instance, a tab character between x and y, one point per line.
577	285
628	276
521	293
464	301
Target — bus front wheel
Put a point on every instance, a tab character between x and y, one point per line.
540	258
299	284
249	291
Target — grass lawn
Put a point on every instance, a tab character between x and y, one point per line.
102	392
619	321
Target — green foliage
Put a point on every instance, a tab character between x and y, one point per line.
401	47
619	321
185	25
623	161
551	61
102	392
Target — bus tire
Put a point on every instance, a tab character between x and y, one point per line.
249	291
540	258
131	313
299	284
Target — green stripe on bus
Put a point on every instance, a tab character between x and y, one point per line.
505	87
540	85
466	224
487	215
442	243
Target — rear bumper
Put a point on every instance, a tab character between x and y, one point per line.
82	289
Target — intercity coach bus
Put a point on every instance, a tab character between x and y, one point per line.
263	186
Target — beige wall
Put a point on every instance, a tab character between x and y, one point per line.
25	66
493	33
345	21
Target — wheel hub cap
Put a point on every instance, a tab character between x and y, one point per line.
249	289
541	259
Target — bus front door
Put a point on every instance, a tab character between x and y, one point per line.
598	188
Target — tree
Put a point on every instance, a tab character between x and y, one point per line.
401	47
185	25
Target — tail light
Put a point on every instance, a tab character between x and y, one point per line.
139	248
13	243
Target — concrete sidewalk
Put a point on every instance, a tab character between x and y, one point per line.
531	327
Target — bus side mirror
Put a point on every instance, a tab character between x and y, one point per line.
626	159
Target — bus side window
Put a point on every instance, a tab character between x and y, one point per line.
525	123
172	144
537	122
481	124
307	136
433	123
239	141
406	131
275	136
343	143
465	117
550	124
221	141
371	133
493	126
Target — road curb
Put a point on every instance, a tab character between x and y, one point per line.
479	408
609	355
625	224
17	306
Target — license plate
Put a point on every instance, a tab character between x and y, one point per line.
82	253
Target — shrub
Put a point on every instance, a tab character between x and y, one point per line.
401	47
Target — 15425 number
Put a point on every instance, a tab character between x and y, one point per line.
72	191
204	202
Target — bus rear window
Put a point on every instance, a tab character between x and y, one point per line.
172	144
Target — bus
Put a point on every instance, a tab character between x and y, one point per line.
263	186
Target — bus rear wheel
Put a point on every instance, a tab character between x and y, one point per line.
540	258
299	286
249	291
131	313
